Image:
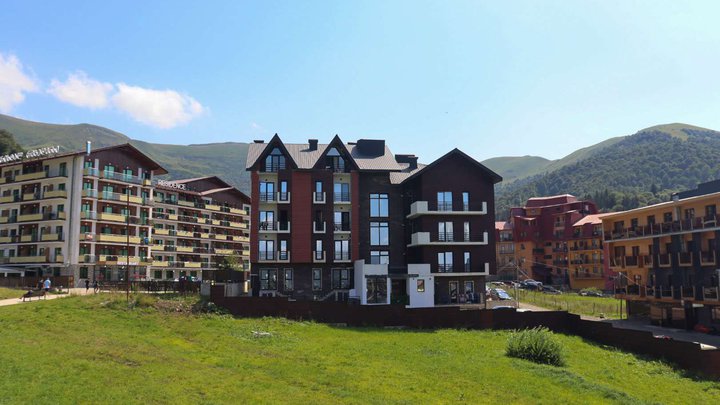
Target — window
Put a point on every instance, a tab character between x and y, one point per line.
710	212
379	257
283	251
127	174
267	191
469	287
421	285
651	220
341	279
466	201
268	279
334	161
318	195
445	231
379	234
284	194
466	261
267	249
667	217
342	250
316	279
466	231
83	272
690	213
342	221
378	205
376	290
88	164
444	201
319	254
157	274
288	280
275	161
342	192
267	220
445	262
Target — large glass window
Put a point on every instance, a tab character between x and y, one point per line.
466	201
342	192
275	161
267	191
378	205
376	290
267	249
379	257
466	231
319	249
334	161
445	231
445	262
444	201
283	251
267	220
342	250
284	194
379	234
268	279
341	279
342	221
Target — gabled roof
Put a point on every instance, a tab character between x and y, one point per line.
305	158
496	178
212	179
256	151
342	149
590	219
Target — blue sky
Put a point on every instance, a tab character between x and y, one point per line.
493	78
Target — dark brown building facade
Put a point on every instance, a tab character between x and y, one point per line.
329	216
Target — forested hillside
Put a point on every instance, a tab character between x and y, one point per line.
641	169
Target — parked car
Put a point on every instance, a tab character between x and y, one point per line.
531	284
590	293
548	289
502	294
503	307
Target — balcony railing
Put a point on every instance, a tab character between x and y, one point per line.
266	255
319	197
664	260
319	256
318	226
685	258
283	196
666	292
445	236
707	258
342	256
341	227
445	268
283	256
445	206
341	197
711	294
699	223
687	292
267	197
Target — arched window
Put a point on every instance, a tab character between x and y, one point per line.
275	161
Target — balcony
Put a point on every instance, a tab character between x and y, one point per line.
685	258
423	239
445	237
212	207
112	217
112	260
30	176
664	228
283	197
159	263
319	197
283	256
342	257
664	260
122	177
631	261
274	227
445	268
55	194
7	199
319	227
708	258
190	265
119	197
184	249
588	275
186	203
31	196
267	197
319	256
687	292
165	232
51	237
647	260
184	234
665	292
419	208
341	227
224	251
116	238
266	256
341	198
711	294
29	259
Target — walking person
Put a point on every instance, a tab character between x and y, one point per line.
87	285
47	284
95	286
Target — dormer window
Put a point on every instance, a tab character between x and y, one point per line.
335	162
275	161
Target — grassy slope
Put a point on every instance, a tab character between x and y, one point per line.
226	160
77	349
573	303
514	167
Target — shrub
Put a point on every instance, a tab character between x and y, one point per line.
537	345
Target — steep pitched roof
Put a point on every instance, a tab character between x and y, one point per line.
258	150
496	178
342	149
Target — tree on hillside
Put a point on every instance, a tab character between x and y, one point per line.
8	144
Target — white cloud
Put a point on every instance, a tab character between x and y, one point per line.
81	91
158	108
14	83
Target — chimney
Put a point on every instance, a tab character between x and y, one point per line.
371	147
259	141
313	144
411	160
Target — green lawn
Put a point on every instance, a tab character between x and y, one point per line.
6	293
93	349
573	303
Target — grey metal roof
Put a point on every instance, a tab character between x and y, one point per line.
399	177
306	158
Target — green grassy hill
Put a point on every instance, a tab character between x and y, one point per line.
226	160
633	171
94	349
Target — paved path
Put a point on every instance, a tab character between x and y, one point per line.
16	301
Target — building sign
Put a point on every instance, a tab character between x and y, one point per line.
171	184
35	153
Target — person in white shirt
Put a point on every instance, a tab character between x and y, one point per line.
47	284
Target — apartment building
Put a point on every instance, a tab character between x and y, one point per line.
666	257
77	213
352	220
505	251
201	226
557	240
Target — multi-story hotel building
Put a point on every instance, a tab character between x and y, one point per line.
666	257
88	215
77	213
557	240
198	224
343	220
